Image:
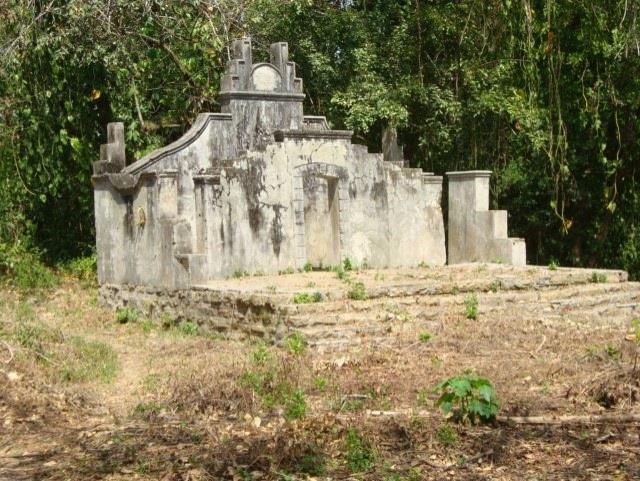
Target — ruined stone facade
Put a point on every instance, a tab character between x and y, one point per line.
260	188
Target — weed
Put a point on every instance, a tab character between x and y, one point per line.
612	351
288	270
341	273
320	383
89	360
495	286
24	269
598	278
148	408
425	336
25	312
311	285
127	314
259	273
347	265
188	328
313	460
260	355
360	455
308	267
296	343
468	398
553	265
146	325
423	265
271	288
306	298
353	405
471	307
358	292
422	397
379	277
295	406
142	468
635	330
446	435
83	268
239	274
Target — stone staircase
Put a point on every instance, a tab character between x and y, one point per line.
580	298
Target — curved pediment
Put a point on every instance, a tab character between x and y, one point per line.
266	78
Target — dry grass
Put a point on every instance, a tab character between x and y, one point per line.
175	405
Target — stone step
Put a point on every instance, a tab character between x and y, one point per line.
382	319
559	294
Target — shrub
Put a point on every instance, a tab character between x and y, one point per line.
359	455
188	328
358	292
24	269
468	398
308	267
127	314
83	268
306	298
471	307
598	278
295	406
347	265
425	336
553	265
296	343
446	435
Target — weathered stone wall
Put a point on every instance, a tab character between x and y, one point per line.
259	188
477	234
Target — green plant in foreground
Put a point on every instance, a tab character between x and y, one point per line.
471	307
306	298
296	343
308	267
553	265
360	455
188	328
347	265
295	406
358	292
89	360
425	336
127	314
446	435
468	398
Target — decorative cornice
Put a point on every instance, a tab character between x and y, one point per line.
260	95
280	135
468	175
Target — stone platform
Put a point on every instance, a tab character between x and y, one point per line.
398	300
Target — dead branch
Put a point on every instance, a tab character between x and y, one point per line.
564	420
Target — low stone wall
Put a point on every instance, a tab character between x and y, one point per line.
234	314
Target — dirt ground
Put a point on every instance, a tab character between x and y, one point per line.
83	396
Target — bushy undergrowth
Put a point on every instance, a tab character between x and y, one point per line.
23	268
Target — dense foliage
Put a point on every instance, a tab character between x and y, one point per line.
546	93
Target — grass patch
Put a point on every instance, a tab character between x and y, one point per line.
306	298
471	307
425	337
127	315
358	292
359	453
89	360
296	344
